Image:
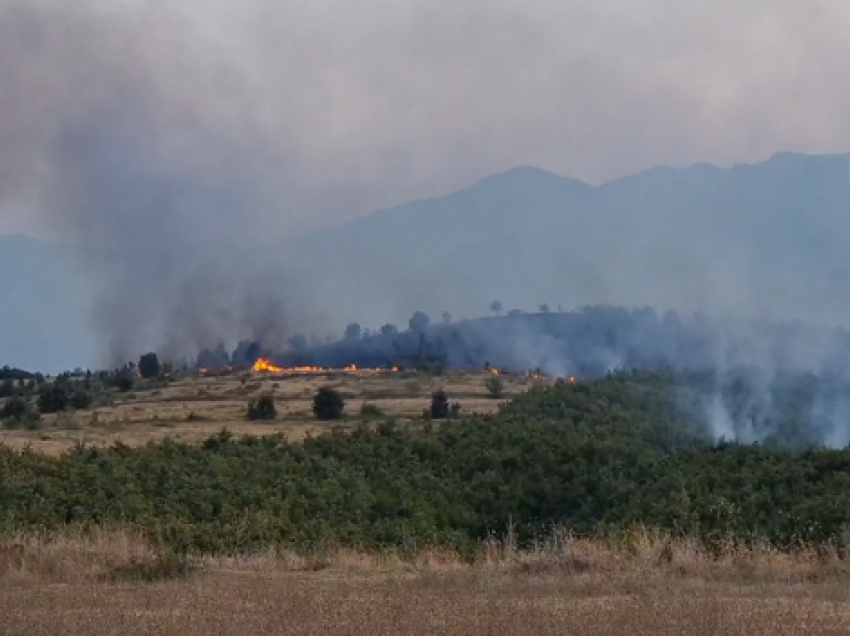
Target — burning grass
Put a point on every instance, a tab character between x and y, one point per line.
104	582
194	407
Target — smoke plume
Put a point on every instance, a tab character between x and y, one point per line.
177	144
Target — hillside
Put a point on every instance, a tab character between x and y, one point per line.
762	239
573	505
596	456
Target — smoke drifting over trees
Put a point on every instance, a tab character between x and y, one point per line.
174	144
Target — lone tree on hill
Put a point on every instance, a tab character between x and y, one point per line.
53	398
328	404
439	405
262	408
447	317
149	366
495	386
496	307
419	321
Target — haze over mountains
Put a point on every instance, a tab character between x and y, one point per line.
765	239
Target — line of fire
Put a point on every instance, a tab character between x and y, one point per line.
266	366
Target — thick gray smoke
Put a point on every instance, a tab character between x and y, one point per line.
174	143
121	129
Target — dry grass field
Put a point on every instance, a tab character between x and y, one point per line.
113	582
72	585
195	407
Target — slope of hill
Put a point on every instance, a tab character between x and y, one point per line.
763	239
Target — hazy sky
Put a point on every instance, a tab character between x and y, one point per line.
309	113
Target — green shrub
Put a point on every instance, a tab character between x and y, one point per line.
53	398
370	411
15	408
81	400
123	381
263	408
328	404
439	405
495	386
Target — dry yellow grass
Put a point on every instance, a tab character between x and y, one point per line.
67	585
194	408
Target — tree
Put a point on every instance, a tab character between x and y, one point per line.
15	408
121	380
7	388
149	366
544	308
246	352
496	307
328	404
389	330
253	352
515	312
263	408
419	321
495	386
439	405
447	317
81	400
353	331
53	398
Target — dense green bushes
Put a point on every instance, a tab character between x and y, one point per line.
597	456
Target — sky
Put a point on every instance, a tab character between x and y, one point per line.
311	113
176	138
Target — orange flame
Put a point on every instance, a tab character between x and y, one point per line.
571	379
265	365
494	371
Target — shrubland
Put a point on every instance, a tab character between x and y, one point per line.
597	458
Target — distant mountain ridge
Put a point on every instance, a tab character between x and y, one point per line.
765	238
761	238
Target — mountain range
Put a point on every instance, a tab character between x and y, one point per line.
764	239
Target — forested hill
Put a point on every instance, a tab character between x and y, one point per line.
588	342
595	456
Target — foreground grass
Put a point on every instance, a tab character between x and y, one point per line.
108	582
